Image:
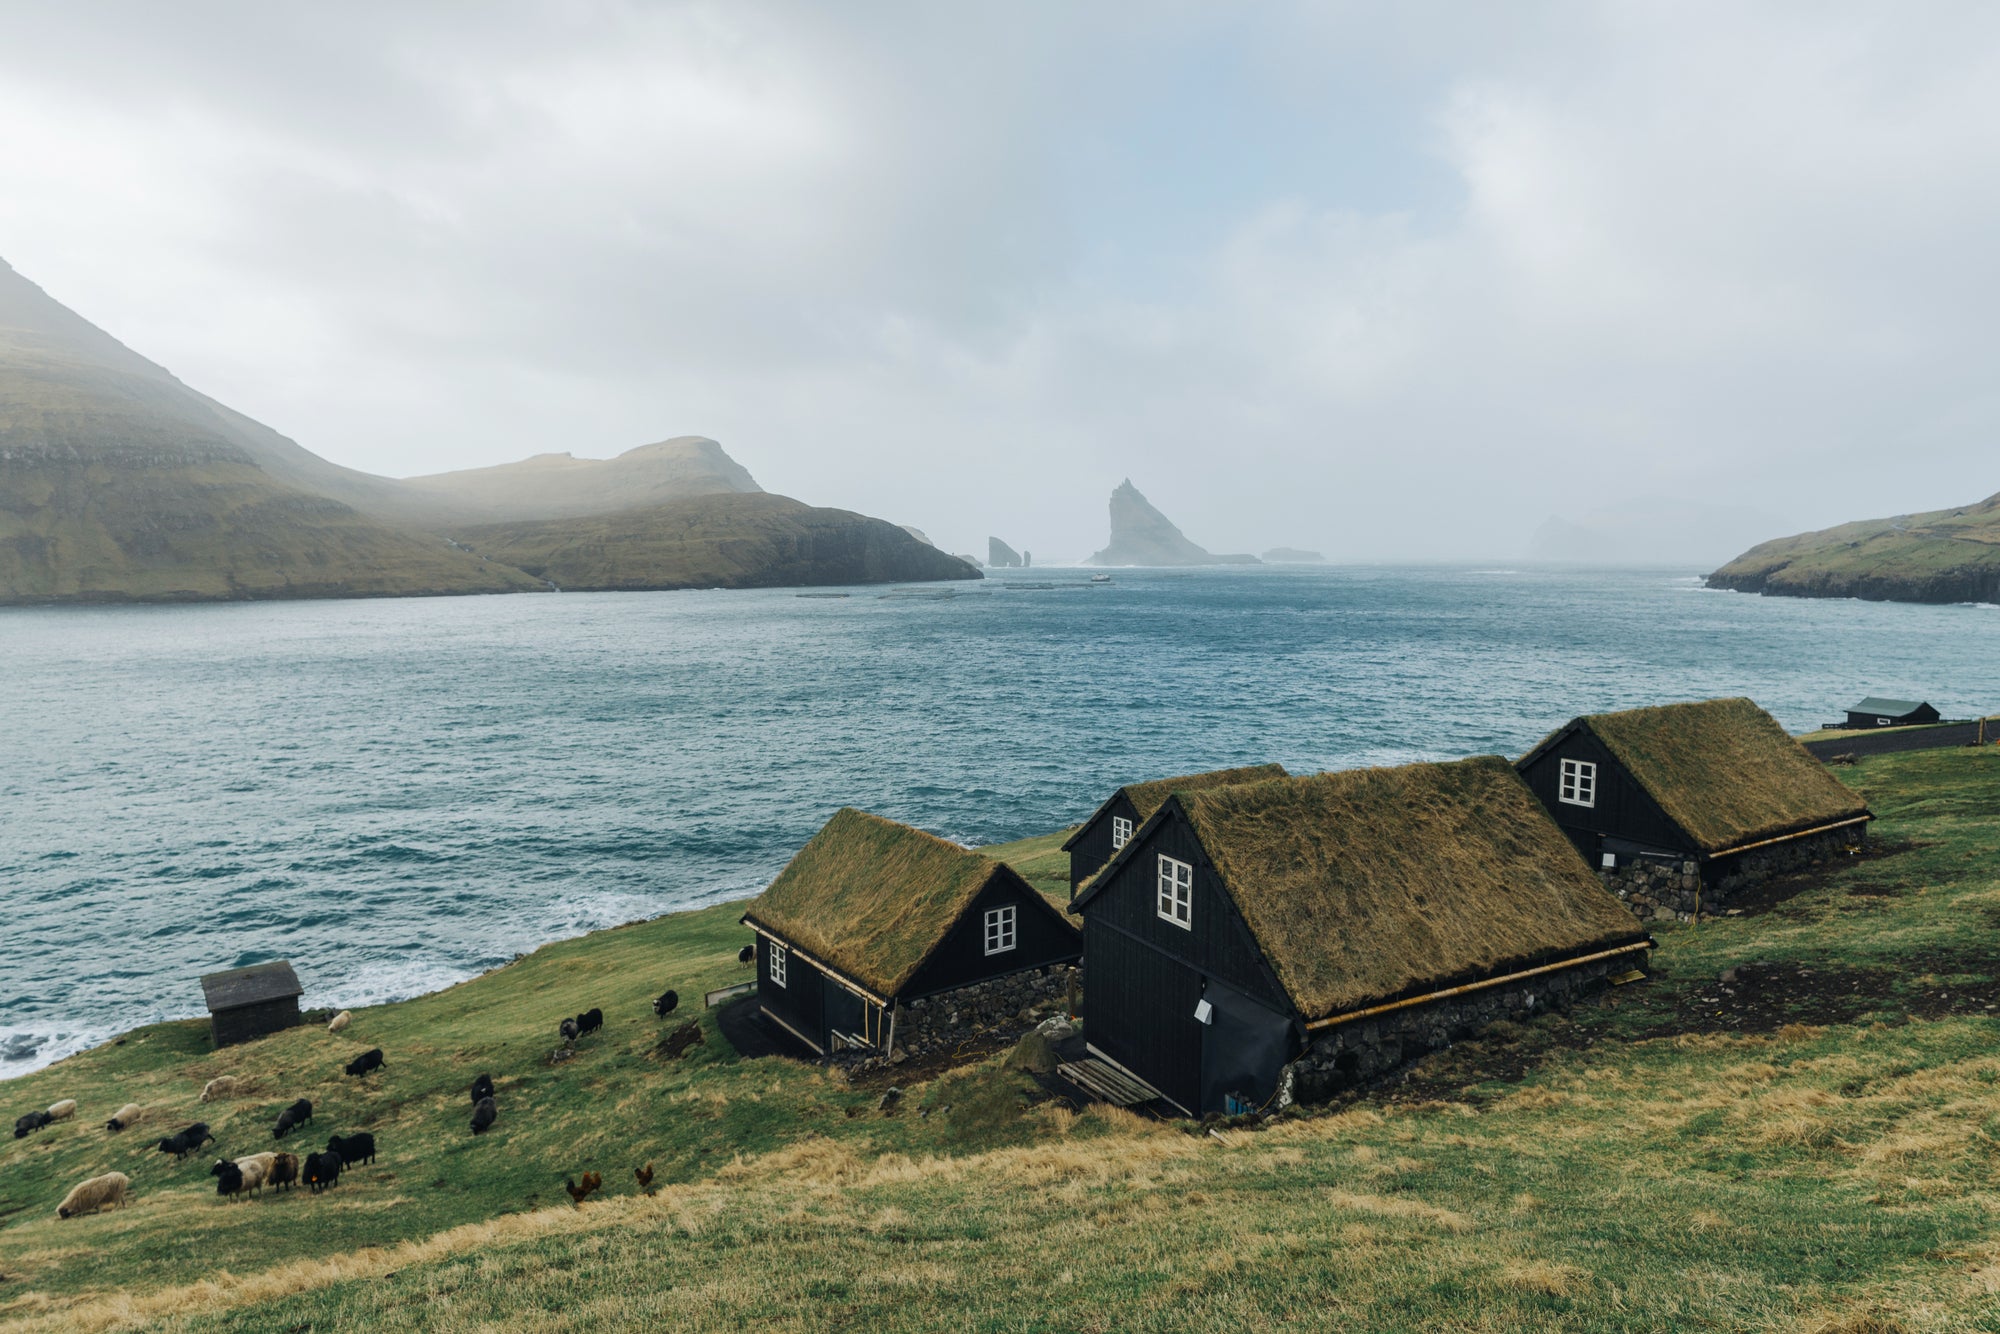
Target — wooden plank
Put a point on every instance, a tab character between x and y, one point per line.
1107	1084
715	998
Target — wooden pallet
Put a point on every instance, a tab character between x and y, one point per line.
1107	1083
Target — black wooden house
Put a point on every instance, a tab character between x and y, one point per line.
246	1003
1711	782
1242	925
1097	839
1878	712
872	915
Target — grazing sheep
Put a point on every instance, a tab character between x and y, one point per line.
668	1002
62	1111
748	954
25	1126
245	1175
222	1086
322	1170
284	1170
124	1117
258	1166
228	1178
339	1021
366	1061
590	1021
105	1192
292	1118
483	1113
482	1087
352	1148
568	1029
184	1142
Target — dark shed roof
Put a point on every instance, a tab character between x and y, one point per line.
254	985
1888	708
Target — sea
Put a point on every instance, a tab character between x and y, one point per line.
399	794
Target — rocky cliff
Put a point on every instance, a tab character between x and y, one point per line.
1141	535
1941	556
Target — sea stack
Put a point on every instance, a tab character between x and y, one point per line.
1141	535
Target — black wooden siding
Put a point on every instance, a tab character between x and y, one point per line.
241	1023
1624	813
1093	842
1139	1011
801	1002
1040	938
1923	713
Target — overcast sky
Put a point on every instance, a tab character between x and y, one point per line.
1389	281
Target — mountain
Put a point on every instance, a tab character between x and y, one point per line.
1650	530
119	483
556	486
1141	535
736	540
1941	556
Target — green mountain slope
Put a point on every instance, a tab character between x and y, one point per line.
557	486
754	540
1943	556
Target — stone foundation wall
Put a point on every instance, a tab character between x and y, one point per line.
1667	891
1354	1054
1005	1007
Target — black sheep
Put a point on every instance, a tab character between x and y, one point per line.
667	1003
27	1125
292	1118
567	1028
590	1021
748	954
228	1177
184	1142
483	1114
321	1170
482	1087
366	1061
353	1148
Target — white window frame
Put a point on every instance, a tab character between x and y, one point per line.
1175	901
1884	722
1001	928
1121	832
776	966
1578	783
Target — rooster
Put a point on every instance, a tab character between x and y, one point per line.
645	1177
591	1181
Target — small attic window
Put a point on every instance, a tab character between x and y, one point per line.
1177	892
1884	722
1000	929
1121	832
1579	783
778	957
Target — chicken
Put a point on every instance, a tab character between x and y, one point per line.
644	1175
591	1181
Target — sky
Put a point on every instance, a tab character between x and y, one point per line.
1393	282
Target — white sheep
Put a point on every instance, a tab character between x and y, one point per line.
62	1111
256	1169
105	1192
222	1086
339	1021
124	1116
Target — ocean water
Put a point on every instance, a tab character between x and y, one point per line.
399	794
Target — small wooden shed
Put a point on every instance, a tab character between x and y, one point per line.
1099	838
246	1003
1878	712
872	915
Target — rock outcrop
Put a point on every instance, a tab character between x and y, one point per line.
1001	556
1941	556
1141	535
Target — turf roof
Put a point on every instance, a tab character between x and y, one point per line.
1724	771
1373	884
872	897
1147	798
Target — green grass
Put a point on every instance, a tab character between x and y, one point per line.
1040	861
1609	1170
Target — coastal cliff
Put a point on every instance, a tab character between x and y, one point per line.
1141	535
1941	556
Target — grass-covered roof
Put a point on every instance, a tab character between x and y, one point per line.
872	897
1373	884
1148	797
1725	771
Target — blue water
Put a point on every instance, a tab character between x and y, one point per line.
399	794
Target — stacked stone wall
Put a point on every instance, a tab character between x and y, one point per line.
1662	891
998	1009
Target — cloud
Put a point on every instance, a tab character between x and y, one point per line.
1391	286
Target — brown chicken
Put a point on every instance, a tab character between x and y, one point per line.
591	1181
644	1175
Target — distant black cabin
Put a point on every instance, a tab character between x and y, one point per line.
1877	712
1098	839
246	1003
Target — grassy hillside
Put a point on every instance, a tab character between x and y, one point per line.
1807	1143
557	486
718	541
1943	556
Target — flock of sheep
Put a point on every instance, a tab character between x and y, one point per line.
247	1176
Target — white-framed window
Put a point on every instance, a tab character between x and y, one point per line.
778	956
1000	929
1579	783
1884	722
1121	832
1610	861
1177	892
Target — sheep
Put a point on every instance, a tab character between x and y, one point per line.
243	1175
339	1021
184	1142
25	1126
353	1148
101	1192
482	1087
124	1117
222	1086
590	1021
667	1003
62	1111
228	1178
748	954
292	1118
483	1114
568	1029
366	1061
284	1170
322	1170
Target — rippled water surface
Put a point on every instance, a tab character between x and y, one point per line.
398	794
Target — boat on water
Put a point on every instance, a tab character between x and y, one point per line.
1100	578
